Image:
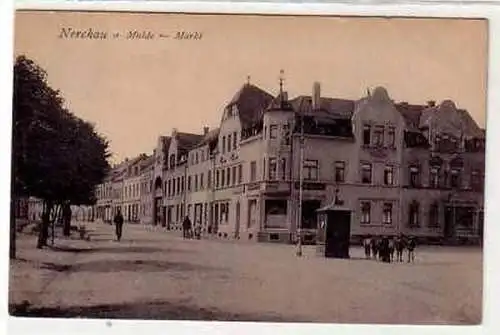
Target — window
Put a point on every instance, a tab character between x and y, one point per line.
414	214
169	188
283	169
222	177
378	136
195	182
273	131
414	176
178	185
434	215
264	169
311	170
189	183
387	213
223	144
434	177
235	140
366	134
209	178
475	180
172	161
217	178
366	173
272	168
365	212
228	176
253	171
183	182
339	172
229	143
455	178
196	157
388	175
240	174
234	175
286	134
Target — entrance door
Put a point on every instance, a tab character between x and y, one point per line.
169	217
448	222
215	227
338	234
237	224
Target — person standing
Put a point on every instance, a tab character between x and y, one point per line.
367	245
118	220
412	244
186	227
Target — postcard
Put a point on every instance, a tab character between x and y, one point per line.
248	167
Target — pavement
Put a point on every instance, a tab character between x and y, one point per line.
154	274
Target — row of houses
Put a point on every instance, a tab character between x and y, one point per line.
398	167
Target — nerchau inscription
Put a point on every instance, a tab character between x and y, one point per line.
91	33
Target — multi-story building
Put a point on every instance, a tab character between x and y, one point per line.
399	168
146	190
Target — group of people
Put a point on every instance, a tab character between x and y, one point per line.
188	231
389	249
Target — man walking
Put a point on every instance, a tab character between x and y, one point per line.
118	220
186	227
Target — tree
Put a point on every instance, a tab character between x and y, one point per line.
57	157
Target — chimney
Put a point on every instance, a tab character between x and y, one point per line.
205	130
431	103
316	96
174	132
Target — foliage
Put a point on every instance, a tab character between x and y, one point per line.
57	156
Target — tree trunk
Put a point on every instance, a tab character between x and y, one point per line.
12	246
43	234
66	217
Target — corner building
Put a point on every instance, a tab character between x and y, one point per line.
400	168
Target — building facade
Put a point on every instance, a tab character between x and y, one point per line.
399	168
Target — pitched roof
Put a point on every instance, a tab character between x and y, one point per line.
187	140
210	137
411	113
336	108
250	101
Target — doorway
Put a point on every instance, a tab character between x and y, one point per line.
237	224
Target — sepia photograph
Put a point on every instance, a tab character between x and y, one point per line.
248	168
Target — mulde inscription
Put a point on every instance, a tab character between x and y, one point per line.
95	34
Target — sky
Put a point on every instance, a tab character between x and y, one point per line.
136	90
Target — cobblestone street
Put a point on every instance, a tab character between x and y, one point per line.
153	274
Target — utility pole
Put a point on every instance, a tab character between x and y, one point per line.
301	181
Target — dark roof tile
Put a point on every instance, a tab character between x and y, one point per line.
251	102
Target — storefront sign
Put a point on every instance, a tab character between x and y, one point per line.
311	186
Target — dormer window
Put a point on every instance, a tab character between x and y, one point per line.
391	137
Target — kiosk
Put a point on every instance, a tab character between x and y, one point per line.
334	231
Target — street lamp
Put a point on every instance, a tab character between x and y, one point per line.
301	181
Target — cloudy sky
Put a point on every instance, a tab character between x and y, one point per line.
135	90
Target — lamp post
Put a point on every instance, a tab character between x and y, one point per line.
301	181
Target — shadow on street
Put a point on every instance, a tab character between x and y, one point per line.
105	266
117	249
153	310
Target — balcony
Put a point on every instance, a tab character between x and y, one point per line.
276	187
